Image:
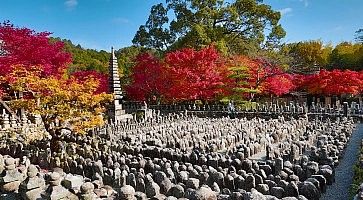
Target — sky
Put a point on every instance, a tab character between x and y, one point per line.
100	24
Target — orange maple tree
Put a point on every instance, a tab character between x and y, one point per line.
62	102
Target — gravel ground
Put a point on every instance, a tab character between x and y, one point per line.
344	172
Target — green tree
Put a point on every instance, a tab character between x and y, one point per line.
232	26
126	60
307	54
85	59
359	36
239	74
153	34
277	57
347	55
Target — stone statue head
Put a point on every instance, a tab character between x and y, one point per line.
9	163
55	179
32	171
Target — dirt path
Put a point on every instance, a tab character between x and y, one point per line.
344	172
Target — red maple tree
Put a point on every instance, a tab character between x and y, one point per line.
23	46
278	85
149	79
195	75
22	49
335	82
251	77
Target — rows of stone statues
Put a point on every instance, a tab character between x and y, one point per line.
181	158
267	107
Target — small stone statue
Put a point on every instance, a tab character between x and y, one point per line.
87	192
56	191
32	186
127	193
11	178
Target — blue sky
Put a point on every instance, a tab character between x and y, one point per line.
100	24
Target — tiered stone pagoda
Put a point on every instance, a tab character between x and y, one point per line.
115	111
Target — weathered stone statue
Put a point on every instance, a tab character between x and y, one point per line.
127	193
33	185
11	178
87	192
56	191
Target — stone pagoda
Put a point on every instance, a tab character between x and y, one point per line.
115	111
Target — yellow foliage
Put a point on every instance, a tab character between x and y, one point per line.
71	102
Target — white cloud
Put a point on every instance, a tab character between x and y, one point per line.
120	20
285	11
306	2
70	4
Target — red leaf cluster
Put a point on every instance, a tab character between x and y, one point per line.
148	79
278	85
183	75
22	46
260	76
336	82
188	74
195	74
23	51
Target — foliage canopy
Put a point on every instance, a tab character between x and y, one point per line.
230	26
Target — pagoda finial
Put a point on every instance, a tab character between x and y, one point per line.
112	51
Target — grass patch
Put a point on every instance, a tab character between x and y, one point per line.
357	176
